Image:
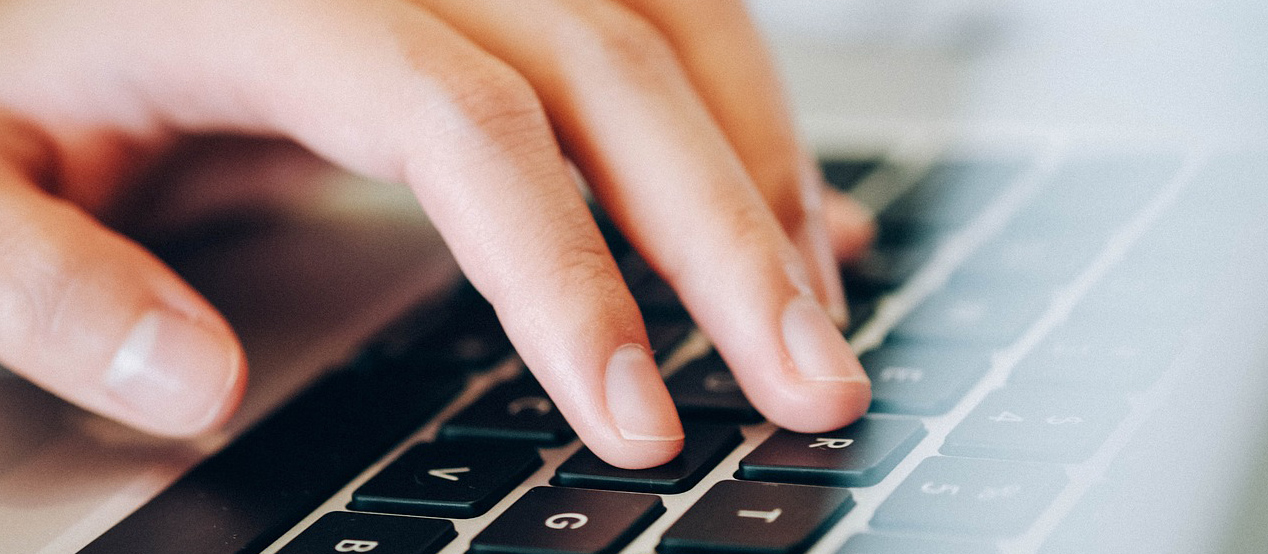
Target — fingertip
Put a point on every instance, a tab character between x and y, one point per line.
175	377
648	430
851	225
820	407
639	454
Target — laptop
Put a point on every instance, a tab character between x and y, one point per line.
1064	318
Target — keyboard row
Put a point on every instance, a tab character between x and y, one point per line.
946	499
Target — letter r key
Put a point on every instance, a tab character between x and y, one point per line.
835	444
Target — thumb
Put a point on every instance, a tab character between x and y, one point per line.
99	321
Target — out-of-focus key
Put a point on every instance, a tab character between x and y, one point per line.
553	520
446	479
1100	355
1021	256
884	269
976	316
858	455
666	334
705	389
870	543
920	379
970	497
756	518
1041	424
517	411
705	445
952	193
843	174
348	532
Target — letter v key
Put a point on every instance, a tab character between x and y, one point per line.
448	473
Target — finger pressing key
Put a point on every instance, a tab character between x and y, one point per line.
628	115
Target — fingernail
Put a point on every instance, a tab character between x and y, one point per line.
640	404
816	346
172	374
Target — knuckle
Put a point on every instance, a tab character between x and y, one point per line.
627	44
581	266
39	277
496	99
781	185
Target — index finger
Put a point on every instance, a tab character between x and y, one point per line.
730	67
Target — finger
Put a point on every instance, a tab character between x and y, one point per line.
388	90
728	64
94	318
851	226
666	174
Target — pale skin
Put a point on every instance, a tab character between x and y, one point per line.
669	109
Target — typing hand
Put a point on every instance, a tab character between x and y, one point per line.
669	109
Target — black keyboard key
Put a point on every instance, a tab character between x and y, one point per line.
244	497
986	317
1040	424
881	271
844	174
1021	255
517	411
656	299
704	447
666	334
348	532
706	389
858	455
870	543
553	520
756	518
952	193
971	497
467	336
446	479
920	379
1097	193
1130	354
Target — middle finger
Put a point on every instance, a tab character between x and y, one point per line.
664	171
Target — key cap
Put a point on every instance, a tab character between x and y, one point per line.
705	445
705	389
1097	193
262	484
553	520
870	543
349	532
1040	424
977	497
656	299
974	316
883	270
468	336
951	193
666	334
1109	356
446	479
844	174
1029	257
517	411
756	518
860	311
921	380
858	455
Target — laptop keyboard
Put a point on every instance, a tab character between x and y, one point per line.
1008	350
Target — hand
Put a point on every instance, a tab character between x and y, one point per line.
669	109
